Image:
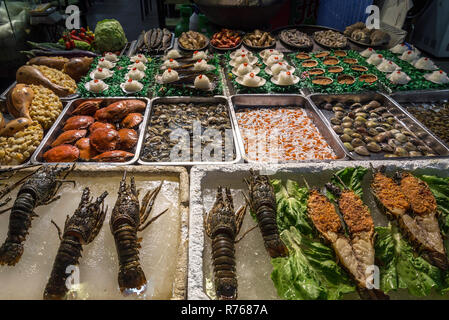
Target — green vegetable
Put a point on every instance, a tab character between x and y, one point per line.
291	202
352	178
401	269
109	36
310	271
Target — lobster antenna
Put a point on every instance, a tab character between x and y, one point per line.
341	181
305	181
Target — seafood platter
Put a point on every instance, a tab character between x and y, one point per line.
91	208
258	165
291	244
108	130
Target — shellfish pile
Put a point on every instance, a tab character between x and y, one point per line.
370	128
169	124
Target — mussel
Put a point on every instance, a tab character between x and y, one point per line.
362	151
373	147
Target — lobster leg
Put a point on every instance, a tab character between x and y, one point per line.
148	202
57	228
9	188
5	210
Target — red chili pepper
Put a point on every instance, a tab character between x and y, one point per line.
76	38
82	29
82	35
67	45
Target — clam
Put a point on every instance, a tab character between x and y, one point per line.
356	135
339	115
407	133
398	126
357	143
367	108
415	154
356	105
415	141
361	130
360	118
386	148
339	105
410	146
338	108
348	146
327	106
400	137
393	143
391	120
373	147
401	152
368	139
380	129
358	110
373	115
380	110
348	131
347	124
422	135
338	129
347	119
373	132
346	138
361	114
394	131
359	124
430	155
371	124
387	115
381	137
362	151
425	149
335	121
390	156
374	104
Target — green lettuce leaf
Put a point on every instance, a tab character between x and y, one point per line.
400	268
352	179
291	202
310	272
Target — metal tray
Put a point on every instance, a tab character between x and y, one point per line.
68	98
252	261
401	115
215	99
134	49
100	257
260	100
55	130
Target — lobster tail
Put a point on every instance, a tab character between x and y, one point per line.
19	224
223	254
10	253
130	277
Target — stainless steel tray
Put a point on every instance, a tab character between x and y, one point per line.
68	98
261	100
423	96
55	130
134	49
216	99
402	116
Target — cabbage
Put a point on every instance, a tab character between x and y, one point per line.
109	36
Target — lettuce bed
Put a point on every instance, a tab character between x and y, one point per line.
120	71
165	90
312	272
268	87
335	87
418	82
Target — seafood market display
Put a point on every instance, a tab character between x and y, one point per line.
330	39
154	41
80	229
118	76
79	210
374	128
32	110
361	34
96	131
37	189
226	39
173	128
222	225
296	38
334	232
128	218
298	139
259	39
192	40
